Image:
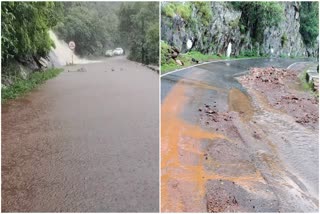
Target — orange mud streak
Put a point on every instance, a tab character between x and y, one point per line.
183	176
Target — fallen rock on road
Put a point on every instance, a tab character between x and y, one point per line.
280	87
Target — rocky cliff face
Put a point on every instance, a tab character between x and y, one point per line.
283	40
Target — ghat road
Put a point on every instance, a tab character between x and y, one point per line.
264	162
85	141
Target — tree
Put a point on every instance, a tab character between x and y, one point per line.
256	16
92	25
25	27
309	22
139	30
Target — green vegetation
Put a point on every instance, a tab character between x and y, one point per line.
204	11
234	23
248	53
171	65
306	86
25	27
139	30
92	25
284	39
256	16
98	26
171	9
168	64
25	36
309	22
22	86
184	9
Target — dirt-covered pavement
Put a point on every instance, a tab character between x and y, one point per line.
282	89
225	148
85	141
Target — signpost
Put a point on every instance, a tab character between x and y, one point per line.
72	46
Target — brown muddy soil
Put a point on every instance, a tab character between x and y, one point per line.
251	161
279	86
226	149
242	187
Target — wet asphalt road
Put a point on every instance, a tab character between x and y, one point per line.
221	74
277	173
84	142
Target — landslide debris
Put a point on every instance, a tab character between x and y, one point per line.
280	87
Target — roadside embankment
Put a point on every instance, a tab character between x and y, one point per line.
21	85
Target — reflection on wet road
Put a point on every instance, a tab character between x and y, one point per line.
84	142
249	159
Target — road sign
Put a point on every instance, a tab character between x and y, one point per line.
72	45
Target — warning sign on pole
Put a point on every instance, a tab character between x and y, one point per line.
72	45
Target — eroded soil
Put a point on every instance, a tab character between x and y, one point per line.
230	150
281	89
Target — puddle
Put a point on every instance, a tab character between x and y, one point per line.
241	103
268	163
183	172
183	176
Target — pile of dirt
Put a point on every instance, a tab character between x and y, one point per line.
277	85
272	75
227	196
221	122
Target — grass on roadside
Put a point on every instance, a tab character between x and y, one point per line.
306	86
171	65
22	86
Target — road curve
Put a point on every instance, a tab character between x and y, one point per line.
261	161
84	142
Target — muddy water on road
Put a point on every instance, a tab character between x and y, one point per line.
255	163
240	102
84	142
181	161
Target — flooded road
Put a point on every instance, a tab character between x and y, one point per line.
85	141
222	150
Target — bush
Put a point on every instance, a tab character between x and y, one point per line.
284	39
204	11
21	86
139	29
176	8
249	53
256	16
165	49
234	23
25	27
309	22
168	10
85	23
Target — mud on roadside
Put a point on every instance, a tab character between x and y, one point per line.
280	87
246	161
241	188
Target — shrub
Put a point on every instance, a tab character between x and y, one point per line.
249	53
168	10
21	86
258	15
309	22
284	39
204	11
